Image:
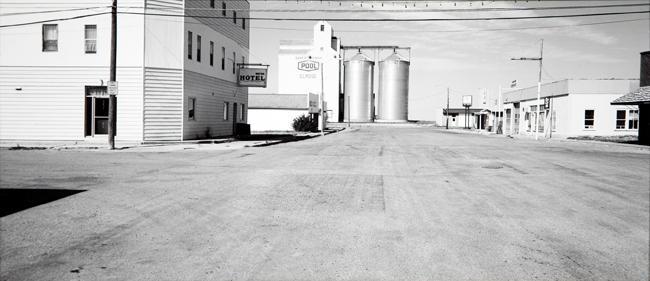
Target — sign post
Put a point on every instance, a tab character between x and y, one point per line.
467	103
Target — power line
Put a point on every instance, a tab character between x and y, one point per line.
341	19
393	19
417	10
54	11
462	30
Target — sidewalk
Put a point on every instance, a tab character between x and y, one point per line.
254	140
541	139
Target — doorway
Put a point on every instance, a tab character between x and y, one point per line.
96	111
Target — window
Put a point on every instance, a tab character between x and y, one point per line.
211	53
191	109
633	122
189	45
211	3
242	115
90	34
50	38
243	23
223	58
198	48
589	119
226	105
322	27
234	61
234	17
620	119
223	8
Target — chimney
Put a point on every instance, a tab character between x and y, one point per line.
644	78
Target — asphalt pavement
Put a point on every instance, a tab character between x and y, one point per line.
369	203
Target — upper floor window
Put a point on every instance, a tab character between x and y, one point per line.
223	8
234	17
243	23
234	61
50	38
212	3
589	119
189	45
211	53
90	34
198	48
322	27
223	58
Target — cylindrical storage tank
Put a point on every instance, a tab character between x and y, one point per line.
358	88
393	89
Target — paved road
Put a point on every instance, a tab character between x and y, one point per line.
362	204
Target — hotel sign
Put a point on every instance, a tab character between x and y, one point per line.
252	77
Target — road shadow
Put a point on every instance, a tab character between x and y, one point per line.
13	200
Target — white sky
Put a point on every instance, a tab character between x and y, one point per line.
469	61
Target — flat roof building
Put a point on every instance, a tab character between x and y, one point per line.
571	107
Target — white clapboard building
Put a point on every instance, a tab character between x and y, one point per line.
176	69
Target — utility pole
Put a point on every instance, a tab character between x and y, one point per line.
539	84
113	74
320	101
447	126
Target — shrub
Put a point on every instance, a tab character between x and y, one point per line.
305	123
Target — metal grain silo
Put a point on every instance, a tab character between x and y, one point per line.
393	88
358	88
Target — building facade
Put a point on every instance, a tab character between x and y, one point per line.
571	108
176	70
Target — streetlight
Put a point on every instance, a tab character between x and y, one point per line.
539	84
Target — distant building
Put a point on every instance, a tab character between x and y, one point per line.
571	108
176	72
274	112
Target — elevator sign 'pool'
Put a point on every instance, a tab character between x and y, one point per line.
252	77
308	65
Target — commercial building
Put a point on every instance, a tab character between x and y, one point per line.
571	107
176	71
305	68
641	98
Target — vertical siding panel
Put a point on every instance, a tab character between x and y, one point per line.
163	104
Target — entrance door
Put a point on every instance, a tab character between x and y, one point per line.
96	111
234	118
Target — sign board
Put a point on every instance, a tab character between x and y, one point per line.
252	77
112	88
313	103
467	101
308	65
513	84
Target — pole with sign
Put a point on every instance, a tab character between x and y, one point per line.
112	100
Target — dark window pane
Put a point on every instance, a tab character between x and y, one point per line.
589	114
101	126
620	114
620	124
101	107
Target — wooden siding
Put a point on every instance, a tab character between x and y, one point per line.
163	104
50	105
210	94
165	6
223	25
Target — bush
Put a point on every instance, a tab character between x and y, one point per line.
305	123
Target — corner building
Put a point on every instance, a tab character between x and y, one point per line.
176	70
